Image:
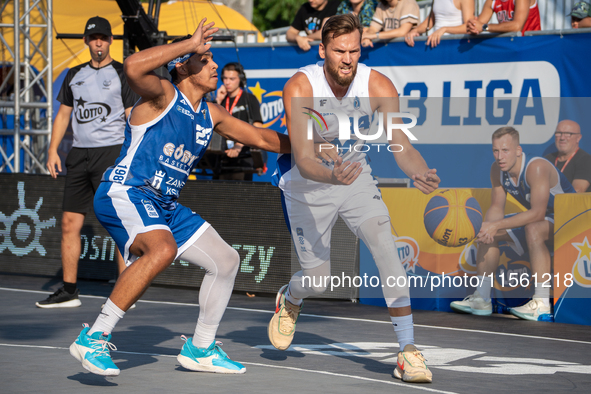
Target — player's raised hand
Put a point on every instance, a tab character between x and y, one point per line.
326	152
427	182
345	173
202	36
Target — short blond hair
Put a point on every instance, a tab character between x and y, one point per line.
504	131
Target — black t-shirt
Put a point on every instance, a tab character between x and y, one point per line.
310	20
248	110
579	166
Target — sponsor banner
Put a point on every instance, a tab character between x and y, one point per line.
436	271
460	93
30	236
572	258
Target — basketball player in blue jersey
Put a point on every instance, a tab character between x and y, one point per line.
168	131
533	182
316	191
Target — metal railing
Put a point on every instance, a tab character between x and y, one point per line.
552	14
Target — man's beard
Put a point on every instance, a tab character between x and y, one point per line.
342	81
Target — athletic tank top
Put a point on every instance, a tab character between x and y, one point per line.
355	105
505	10
521	191
159	155
446	14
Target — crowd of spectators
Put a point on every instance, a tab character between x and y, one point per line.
388	19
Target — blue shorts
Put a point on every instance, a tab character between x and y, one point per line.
517	234
127	211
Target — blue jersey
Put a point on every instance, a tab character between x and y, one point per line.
521	191
158	156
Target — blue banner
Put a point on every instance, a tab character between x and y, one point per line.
460	92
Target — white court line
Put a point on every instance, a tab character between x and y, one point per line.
394	383
335	318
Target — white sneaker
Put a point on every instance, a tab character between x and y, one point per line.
533	310
473	304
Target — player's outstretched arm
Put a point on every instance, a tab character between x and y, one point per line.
237	130
384	99
297	95
139	66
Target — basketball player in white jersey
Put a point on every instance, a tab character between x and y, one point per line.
168	131
316	191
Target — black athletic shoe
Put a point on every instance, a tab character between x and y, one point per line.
60	299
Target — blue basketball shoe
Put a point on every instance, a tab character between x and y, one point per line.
93	351
211	359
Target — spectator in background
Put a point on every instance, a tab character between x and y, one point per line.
310	18
580	16
513	15
244	106
571	160
446	17
97	85
394	17
364	9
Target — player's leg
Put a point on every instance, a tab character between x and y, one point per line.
221	262
158	250
479	303
537	234
376	233
119	209
310	218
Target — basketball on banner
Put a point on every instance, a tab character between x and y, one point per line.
453	217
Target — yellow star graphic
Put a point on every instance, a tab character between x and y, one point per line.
283	122
258	92
504	261
584	249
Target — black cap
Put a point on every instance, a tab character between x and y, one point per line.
97	25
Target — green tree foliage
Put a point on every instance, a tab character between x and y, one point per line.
271	14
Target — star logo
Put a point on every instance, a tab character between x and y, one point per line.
103	119
584	249
258	92
80	102
504	261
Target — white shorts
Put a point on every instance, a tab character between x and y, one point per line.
310	216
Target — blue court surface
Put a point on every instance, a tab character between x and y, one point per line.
340	347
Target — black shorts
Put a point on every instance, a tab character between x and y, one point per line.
85	169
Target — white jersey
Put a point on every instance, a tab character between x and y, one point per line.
355	105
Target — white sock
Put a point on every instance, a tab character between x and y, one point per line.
107	319
543	293
204	334
403	327
290	298
484	287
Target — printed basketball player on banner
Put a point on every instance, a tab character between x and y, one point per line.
453	217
